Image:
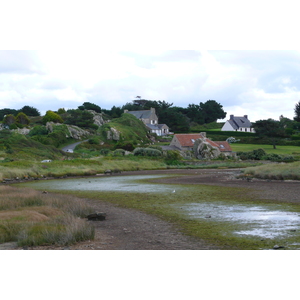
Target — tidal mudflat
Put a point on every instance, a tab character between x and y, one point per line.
227	216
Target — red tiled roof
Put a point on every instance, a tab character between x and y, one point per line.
188	140
223	146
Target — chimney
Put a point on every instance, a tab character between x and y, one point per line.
231	117
246	117
152	110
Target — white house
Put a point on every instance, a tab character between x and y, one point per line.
238	124
150	119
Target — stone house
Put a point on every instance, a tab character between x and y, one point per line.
150	119
238	124
186	142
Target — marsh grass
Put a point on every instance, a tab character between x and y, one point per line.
167	206
31	218
277	171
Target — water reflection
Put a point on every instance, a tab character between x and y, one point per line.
111	183
264	222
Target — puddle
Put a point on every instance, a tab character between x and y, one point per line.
111	183
258	221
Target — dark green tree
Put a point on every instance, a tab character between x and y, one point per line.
271	129
297	112
7	111
212	111
80	118
30	111
90	106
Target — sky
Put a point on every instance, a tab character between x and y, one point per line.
261	84
244	55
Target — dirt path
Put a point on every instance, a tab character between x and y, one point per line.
128	229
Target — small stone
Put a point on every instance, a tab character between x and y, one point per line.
277	247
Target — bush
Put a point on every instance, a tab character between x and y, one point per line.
104	152
119	152
38	130
146	152
52	117
173	157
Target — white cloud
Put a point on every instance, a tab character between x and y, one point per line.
256	83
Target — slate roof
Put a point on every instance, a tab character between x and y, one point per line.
237	122
156	126
141	114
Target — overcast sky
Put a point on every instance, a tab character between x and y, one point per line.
74	64
262	84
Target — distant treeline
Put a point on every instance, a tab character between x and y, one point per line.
179	119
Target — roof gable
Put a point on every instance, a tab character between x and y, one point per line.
238	122
141	114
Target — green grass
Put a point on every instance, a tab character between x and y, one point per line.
281	150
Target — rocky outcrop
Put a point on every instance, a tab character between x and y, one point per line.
72	131
113	134
98	119
24	131
204	150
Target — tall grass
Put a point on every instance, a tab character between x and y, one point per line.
31	218
279	171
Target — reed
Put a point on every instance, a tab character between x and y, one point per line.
32	218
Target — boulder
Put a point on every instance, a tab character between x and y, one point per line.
113	134
96	216
204	150
98	119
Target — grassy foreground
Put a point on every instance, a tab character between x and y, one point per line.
32	218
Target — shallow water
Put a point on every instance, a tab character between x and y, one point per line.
109	183
257	221
260	221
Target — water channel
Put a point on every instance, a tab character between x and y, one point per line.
268	221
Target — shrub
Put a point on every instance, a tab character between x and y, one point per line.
22	119
104	152
38	130
173	157
146	152
52	117
119	152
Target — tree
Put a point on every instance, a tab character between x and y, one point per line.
212	111
51	116
7	111
297	112
195	113
9	119
271	129
22	119
30	111
90	106
80	118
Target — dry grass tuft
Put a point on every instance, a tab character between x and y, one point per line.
32	218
